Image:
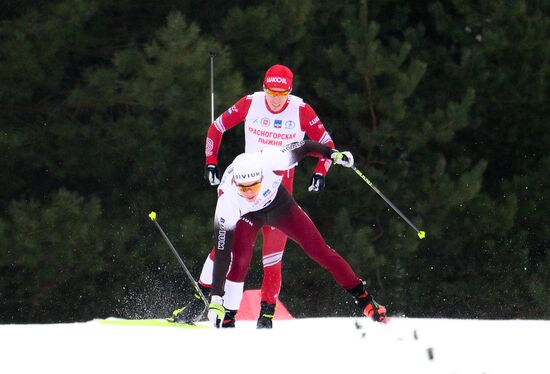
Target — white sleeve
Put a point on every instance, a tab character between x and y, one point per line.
227	212
225	181
276	159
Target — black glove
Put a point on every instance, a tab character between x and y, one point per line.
212	174
317	183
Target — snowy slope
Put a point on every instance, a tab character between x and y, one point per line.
321	345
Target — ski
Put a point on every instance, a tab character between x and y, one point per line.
149	322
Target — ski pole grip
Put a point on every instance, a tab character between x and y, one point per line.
153	216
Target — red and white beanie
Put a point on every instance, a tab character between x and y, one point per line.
278	77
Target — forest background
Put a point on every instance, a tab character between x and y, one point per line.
104	111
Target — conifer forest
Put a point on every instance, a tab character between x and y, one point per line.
444	104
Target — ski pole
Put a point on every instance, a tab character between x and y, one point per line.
153	217
212	55
421	234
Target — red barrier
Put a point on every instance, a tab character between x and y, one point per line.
250	307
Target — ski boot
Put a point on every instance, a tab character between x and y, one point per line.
267	311
229	319
193	310
367	304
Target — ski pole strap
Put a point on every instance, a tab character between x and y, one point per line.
218	309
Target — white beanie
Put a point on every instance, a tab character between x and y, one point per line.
247	168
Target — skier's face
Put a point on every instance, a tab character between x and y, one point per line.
276	98
249	191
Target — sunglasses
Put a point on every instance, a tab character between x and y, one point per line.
270	92
252	187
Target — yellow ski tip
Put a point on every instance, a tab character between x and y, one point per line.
421	234
153	216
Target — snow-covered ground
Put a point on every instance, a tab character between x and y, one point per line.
311	345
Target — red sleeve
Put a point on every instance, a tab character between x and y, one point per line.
228	119
315	130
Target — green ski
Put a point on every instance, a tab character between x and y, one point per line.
149	322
